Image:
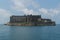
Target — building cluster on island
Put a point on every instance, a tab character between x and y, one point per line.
30	20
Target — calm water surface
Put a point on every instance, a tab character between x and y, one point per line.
29	33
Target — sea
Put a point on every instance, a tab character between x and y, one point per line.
29	32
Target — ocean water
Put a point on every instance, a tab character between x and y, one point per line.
29	33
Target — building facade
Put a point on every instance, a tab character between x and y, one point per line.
25	18
30	20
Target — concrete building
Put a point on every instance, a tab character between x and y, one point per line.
30	20
25	18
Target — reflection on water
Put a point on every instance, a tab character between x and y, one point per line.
29	33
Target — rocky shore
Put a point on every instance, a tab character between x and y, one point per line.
31	24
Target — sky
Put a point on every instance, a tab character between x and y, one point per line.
46	8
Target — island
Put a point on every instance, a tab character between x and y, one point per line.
30	20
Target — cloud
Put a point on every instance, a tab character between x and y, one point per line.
23	5
35	5
43	10
18	5
4	16
49	12
28	12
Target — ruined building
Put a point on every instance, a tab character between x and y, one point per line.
30	20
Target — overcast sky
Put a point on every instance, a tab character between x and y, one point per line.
46	8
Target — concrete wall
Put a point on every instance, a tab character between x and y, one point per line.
28	18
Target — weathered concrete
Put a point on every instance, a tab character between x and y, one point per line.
30	20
